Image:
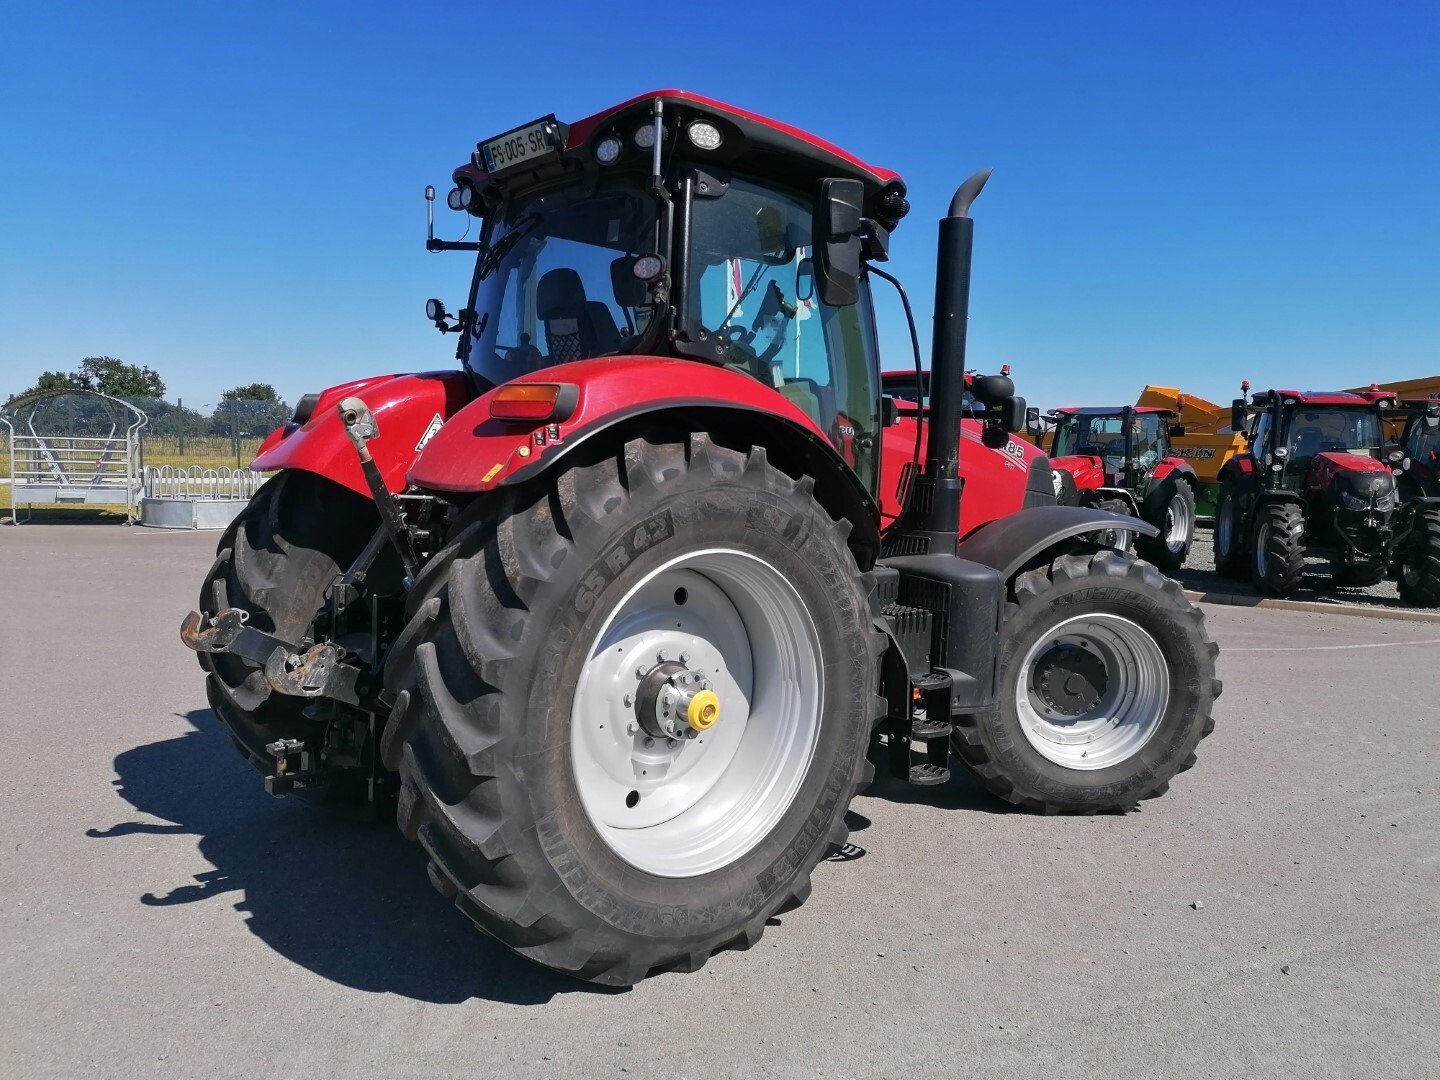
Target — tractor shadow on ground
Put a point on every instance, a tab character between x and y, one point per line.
960	792
346	900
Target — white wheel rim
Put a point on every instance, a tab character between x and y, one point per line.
1177	524
680	808
1129	707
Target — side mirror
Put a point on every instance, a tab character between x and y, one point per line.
1017	415
1238	415
839	246
1177	431
1032	422
889	411
805	279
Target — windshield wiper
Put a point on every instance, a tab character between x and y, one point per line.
497	251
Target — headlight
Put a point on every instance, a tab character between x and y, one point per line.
608	149
705	135
645	136
1351	501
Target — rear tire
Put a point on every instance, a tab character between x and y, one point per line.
1176	522
1278	549
1137	650
1230	561
512	737
1419	565
276	561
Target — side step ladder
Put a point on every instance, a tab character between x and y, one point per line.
924	719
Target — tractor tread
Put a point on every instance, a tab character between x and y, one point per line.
450	738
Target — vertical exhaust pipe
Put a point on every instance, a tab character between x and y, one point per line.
935	494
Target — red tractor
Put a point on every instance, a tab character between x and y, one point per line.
1118	458
1417	570
611	615
1314	481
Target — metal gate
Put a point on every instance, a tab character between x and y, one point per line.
84	452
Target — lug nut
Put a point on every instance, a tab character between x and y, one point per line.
629	700
661	656
648	741
684	657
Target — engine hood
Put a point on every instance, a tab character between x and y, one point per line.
1362	477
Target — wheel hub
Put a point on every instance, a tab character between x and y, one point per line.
1070	680
674	702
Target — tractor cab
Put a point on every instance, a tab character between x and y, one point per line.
1324	447
1418	424
1128	441
1118	458
675	226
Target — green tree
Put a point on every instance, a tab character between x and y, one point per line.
254	392
119	379
105	374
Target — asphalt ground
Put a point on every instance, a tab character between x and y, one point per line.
1274	915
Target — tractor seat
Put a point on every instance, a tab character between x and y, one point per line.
576	328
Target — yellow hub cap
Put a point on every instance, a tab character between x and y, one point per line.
703	711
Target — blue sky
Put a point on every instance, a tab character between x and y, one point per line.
1183	194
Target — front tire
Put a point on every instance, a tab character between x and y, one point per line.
1107	680
1176	522
1419	566
526	688
1277	549
276	561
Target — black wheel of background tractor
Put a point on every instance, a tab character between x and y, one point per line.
1277	549
1358	575
1230	558
1107	679
1121	539
1419	563
1175	502
275	561
573	722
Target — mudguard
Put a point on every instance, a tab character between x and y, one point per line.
409	410
1154	504
1008	544
475	453
1169	467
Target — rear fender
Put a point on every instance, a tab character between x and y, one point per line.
409	410
1011	544
621	398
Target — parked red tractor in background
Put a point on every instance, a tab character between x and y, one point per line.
611	615
1315	480
1417	570
1117	458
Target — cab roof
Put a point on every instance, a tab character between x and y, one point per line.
754	143
1361	399
1111	410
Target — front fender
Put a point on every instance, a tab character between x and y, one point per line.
1011	543
406	408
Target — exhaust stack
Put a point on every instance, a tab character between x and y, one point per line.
935	494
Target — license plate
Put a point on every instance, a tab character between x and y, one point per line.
524	144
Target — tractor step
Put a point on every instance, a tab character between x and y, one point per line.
919	714
927	775
923	727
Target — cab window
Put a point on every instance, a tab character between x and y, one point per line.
752	287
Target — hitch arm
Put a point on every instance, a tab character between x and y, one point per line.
360	428
318	671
